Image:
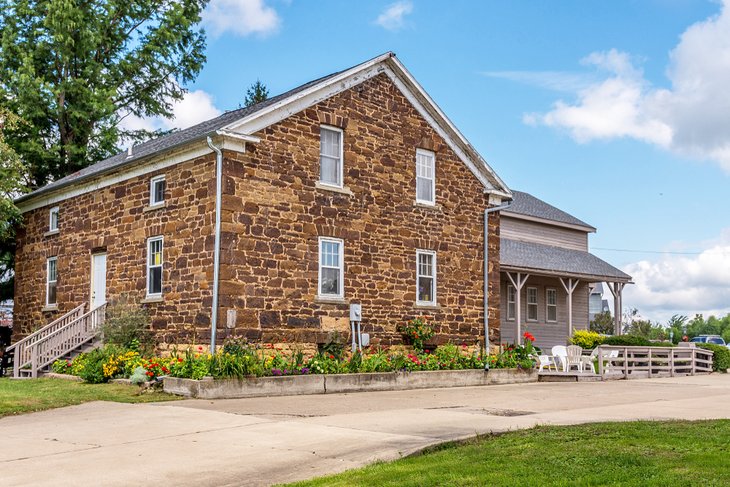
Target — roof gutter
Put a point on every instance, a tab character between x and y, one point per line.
487	211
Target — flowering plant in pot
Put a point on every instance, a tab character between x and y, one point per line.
417	331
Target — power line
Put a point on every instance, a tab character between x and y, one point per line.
669	252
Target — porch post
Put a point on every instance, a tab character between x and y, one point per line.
616	289
569	288
518	284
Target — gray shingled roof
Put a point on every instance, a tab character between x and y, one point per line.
528	205
169	141
557	260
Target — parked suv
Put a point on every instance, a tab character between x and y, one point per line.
715	339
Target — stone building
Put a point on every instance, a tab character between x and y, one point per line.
353	188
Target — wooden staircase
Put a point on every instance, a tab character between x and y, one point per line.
73	333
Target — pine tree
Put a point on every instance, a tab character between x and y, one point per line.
256	93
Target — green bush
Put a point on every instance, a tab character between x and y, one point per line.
627	341
720	357
127	325
93	371
586	339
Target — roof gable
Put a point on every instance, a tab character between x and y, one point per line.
246	121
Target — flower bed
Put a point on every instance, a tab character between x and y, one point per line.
238	359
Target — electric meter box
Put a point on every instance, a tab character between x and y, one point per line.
355	312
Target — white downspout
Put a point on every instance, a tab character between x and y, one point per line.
217	249
487	211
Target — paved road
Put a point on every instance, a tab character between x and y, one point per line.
268	440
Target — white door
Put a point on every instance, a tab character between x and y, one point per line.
98	280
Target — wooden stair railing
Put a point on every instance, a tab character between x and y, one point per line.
64	340
21	348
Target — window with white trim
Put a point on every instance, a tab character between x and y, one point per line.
331	267
330	156
154	266
51	280
157	190
511	302
551	303
425	177
53	219
425	277
531	304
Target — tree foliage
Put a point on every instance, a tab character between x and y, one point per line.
602	323
256	93
72	71
12	184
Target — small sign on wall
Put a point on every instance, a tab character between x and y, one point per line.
231	318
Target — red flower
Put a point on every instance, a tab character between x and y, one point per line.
528	336
332	357
200	348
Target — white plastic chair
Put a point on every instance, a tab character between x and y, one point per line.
547	361
561	354
574	358
587	361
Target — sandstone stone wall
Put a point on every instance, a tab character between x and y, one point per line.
273	214
117	220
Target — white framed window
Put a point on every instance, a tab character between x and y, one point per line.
331	267
425	177
511	302
551	305
154	266
330	156
425	277
157	190
531	304
51	280
53	219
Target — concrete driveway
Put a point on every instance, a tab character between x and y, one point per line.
270	440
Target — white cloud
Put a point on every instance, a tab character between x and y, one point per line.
689	118
195	107
241	17
393	17
682	284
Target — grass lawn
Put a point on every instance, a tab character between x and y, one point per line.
24	396
637	453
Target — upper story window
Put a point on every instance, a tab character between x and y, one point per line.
511	302
551	301
51	280
331	267
425	277
53	219
157	190
425	177
531	304
330	156
154	266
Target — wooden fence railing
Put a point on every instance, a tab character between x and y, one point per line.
53	344
636	362
22	347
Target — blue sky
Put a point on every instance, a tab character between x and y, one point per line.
616	112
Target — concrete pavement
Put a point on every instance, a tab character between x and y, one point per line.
260	441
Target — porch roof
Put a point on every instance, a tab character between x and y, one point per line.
558	261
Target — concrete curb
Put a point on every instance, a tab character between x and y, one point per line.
342	383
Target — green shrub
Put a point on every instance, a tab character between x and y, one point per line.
139	376
627	341
586	339
93	370
720	357
127	325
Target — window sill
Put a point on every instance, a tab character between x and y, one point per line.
50	307
50	233
335	189
427	306
330	300
426	206
154	207
152	299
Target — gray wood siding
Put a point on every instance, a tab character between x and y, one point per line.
542	233
546	334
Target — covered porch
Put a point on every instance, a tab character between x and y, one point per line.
545	291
